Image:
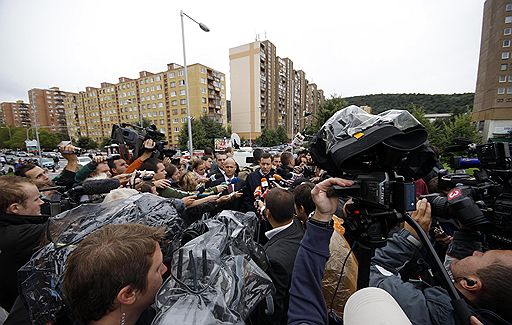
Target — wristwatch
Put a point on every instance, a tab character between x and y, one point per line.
323	224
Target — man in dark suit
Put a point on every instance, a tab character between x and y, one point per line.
254	180
281	248
234	185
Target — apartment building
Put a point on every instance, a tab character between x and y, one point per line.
493	96
49	107
267	92
158	98
16	114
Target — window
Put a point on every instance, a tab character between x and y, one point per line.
142	90
174	112
173	84
161	122
183	119
182	92
171	75
506	43
160	96
203	100
174	103
182	82
180	73
203	70
203	80
176	129
505	55
508	7
203	90
157	78
142	82
147	97
222	78
503	67
507	31
158	87
183	101
173	94
503	79
508	19
509	90
501	91
509	78
175	121
160	105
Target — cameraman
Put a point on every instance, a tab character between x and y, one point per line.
482	279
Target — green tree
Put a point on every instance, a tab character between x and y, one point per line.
460	126
326	110
86	143
432	129
204	130
18	137
105	142
49	140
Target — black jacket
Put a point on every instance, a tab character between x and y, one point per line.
281	250
251	183
20	236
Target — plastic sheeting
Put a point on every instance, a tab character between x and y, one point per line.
40	278
213	278
339	249
351	120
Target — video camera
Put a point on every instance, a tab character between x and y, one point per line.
482	202
129	136
380	153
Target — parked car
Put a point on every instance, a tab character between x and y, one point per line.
84	160
3	160
46	163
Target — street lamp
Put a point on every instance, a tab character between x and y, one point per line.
189	118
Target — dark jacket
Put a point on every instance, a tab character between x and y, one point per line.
285	172
281	250
422	305
20	236
251	183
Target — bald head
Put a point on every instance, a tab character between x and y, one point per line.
230	167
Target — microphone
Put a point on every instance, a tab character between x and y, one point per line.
264	184
235	180
97	186
257	193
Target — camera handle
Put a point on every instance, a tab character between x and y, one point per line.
460	307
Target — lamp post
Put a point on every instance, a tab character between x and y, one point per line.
189	118
37	127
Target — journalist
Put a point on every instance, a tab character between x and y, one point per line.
21	230
482	279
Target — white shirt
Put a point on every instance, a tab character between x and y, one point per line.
271	233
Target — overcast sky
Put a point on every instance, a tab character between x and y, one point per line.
347	47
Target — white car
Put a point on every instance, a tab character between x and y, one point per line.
82	161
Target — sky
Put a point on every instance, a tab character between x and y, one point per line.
346	47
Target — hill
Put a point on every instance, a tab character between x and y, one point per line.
456	103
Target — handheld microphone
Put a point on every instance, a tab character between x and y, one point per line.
235	180
264	184
257	193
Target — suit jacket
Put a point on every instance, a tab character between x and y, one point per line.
281	251
234	204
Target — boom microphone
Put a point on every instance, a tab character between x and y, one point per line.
100	186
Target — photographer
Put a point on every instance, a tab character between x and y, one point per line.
482	279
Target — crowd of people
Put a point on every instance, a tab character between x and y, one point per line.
115	272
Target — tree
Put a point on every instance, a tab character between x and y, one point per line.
432	130
18	137
269	138
49	140
326	110
86	143
460	126
204	130
105	142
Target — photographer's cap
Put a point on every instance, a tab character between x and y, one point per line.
373	306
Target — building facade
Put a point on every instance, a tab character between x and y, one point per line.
266	91
49	107
158	98
16	114
493	97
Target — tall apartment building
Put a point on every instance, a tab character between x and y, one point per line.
493	97
159	98
16	114
266	91
49	107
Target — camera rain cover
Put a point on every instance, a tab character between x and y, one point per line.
352	131
40	278
215	277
